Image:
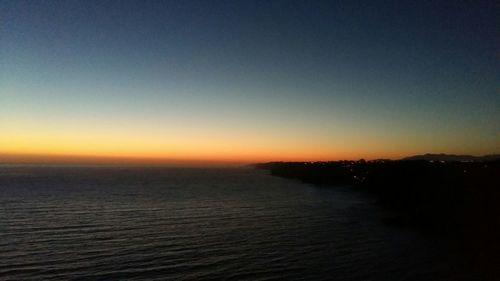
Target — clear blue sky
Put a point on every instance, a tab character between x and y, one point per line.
249	79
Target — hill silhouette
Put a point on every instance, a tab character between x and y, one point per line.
460	200
453	157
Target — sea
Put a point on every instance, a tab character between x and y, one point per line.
163	223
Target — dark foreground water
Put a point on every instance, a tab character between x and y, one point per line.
200	224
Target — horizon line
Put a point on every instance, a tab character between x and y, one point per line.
103	160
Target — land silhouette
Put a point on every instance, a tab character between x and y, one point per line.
455	196
454	157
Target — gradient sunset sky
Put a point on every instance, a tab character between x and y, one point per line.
248	81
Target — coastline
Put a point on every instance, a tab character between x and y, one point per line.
458	200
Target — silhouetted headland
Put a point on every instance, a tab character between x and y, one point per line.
457	198
454	158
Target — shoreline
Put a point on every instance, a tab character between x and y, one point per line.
457	200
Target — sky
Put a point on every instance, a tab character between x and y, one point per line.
247	81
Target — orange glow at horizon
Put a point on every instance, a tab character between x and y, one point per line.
126	149
57	140
48	150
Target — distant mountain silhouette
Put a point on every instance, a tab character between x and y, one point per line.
453	157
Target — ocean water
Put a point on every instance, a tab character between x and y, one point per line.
111	223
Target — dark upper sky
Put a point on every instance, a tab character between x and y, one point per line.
318	79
